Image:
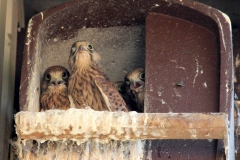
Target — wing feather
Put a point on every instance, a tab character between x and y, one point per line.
111	96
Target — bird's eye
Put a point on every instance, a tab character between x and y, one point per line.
127	81
142	76
48	77
122	88
74	48
64	75
90	47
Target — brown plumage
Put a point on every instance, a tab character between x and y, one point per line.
88	85
135	80
54	89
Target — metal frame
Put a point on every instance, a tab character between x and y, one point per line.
8	43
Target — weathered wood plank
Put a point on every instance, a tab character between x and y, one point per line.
87	124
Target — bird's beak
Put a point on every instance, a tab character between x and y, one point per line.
136	86
132	86
56	81
82	48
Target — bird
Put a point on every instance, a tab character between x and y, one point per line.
123	89
89	86
135	80
54	93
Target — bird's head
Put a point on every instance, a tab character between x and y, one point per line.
121	86
82	55
55	77
135	79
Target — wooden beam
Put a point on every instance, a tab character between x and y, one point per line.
87	124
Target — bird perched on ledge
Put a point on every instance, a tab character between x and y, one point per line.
88	85
54	89
135	80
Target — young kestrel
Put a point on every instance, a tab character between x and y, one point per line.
88	85
123	89
136	82
54	89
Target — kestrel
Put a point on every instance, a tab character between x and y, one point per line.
135	80
123	89
88	84
54	89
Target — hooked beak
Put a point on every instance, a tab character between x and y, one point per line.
136	86
81	49
56	82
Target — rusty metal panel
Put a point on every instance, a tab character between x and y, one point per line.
182	75
183	59
181	149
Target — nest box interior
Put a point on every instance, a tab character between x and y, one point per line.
184	46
